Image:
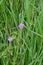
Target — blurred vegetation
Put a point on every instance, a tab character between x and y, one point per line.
27	46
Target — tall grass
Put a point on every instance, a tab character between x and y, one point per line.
27	46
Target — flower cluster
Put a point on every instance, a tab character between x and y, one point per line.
21	26
10	39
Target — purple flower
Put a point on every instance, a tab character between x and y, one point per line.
10	39
21	25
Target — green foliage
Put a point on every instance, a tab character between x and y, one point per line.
27	46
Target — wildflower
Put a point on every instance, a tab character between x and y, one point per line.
10	39
21	25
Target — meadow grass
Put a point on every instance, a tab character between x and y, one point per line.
27	45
